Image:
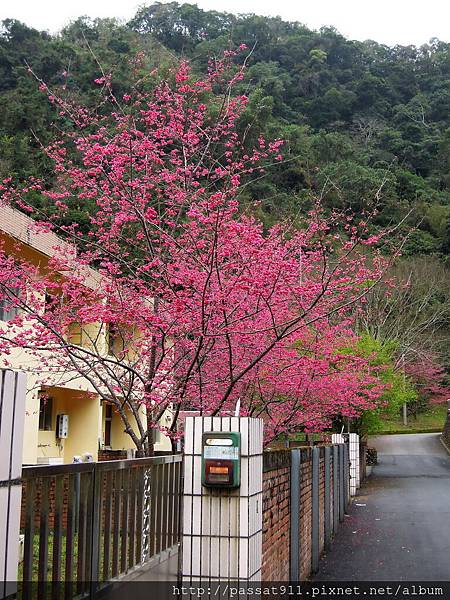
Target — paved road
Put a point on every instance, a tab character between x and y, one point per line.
401	531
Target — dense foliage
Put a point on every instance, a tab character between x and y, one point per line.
358	116
399	388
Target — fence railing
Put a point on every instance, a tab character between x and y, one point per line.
85	524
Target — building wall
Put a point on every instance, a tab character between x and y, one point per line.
86	427
31	427
84	421
120	440
83	435
73	395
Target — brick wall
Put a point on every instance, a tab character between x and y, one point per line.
276	516
104	455
277	513
83	488
321	502
51	502
305	514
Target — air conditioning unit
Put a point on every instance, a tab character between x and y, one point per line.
62	426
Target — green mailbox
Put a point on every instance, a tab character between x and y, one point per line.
221	459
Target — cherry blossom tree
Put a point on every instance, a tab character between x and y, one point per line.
429	378
200	306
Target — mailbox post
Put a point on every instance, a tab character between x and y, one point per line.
222	500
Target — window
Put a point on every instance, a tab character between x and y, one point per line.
8	309
45	412
108	422
116	343
51	302
74	334
156	435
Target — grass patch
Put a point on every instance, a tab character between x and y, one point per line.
431	421
73	576
64	576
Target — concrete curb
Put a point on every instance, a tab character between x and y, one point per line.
444	444
410	431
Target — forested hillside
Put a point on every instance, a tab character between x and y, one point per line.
355	115
365	126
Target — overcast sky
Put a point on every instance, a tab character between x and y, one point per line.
386	21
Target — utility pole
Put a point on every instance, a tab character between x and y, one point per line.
405	407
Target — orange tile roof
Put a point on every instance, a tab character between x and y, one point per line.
23	228
18	225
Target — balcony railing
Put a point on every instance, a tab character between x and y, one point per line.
90	523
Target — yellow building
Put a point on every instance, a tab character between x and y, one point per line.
67	418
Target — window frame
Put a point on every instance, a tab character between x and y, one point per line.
7	315
107	436
45	412
115	338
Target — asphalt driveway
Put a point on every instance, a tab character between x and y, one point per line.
398	528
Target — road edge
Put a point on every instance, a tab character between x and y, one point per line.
409	431
444	444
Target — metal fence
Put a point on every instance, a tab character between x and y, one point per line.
85	524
